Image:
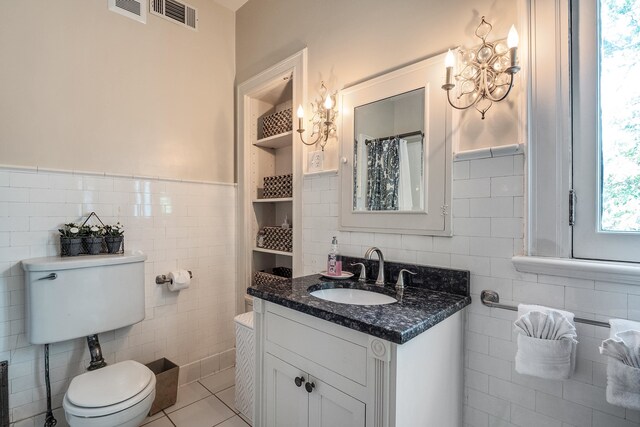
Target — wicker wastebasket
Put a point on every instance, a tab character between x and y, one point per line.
166	384
245	360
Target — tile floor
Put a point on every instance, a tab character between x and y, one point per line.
207	402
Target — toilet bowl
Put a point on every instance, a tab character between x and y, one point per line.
117	395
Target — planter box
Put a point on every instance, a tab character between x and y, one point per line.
81	246
166	384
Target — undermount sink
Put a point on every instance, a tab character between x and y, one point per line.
353	296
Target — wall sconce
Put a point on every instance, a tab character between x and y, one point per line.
487	71
323	119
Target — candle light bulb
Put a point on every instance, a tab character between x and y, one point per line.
328	103
512	38
449	60
300	111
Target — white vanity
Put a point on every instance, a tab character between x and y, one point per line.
316	372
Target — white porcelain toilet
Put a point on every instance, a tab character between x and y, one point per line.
75	297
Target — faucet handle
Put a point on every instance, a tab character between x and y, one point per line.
400	282
363	271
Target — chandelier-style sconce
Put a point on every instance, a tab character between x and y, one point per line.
322	119
486	72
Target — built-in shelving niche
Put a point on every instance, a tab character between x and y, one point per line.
260	157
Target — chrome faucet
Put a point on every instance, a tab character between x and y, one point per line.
400	282
367	255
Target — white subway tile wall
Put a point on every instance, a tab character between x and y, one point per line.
488	210
177	224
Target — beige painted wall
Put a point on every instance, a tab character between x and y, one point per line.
351	41
84	88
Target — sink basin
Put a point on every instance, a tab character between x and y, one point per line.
353	296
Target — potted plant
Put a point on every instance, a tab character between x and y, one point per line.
70	240
92	236
114	236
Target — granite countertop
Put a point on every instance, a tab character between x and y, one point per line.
417	309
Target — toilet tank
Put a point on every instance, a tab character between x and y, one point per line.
74	297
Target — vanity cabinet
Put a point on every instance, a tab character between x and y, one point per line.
358	380
297	399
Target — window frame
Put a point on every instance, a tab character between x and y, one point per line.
548	233
548	239
589	241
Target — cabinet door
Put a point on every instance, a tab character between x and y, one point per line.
287	404
329	407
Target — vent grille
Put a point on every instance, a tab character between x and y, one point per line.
157	6
130	8
191	18
175	11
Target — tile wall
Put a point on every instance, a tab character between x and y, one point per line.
488	207
177	224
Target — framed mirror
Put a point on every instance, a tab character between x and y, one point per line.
396	153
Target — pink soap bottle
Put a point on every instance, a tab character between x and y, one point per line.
334	265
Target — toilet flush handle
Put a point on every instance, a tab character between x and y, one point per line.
51	276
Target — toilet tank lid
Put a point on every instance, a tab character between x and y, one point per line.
66	263
109	385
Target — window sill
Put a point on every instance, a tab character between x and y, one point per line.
606	271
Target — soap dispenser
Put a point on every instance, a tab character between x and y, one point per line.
334	265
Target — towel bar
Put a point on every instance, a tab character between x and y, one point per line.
492	299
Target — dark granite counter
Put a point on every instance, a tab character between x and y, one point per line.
418	308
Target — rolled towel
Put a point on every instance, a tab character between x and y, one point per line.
548	326
623	365
546	342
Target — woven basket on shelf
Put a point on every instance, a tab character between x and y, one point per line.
278	239
262	278
276	123
279	186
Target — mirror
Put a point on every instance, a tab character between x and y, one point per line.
396	157
388	154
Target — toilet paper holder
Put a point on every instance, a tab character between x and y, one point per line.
161	279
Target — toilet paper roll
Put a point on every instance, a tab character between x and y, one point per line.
180	279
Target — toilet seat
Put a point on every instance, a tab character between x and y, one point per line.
109	390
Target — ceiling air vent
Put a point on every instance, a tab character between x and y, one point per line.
133	9
175	11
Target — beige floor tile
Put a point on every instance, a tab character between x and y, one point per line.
204	413
233	422
228	396
188	394
220	380
153	417
246	420
160	422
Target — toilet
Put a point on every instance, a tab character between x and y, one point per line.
74	297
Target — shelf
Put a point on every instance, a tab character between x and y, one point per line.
271	251
274	200
276	141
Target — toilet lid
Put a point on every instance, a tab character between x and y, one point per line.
109	385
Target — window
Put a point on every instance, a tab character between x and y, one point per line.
606	129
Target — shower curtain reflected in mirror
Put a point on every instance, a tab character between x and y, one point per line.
383	174
388	175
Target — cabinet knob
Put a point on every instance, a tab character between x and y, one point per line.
299	381
309	386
